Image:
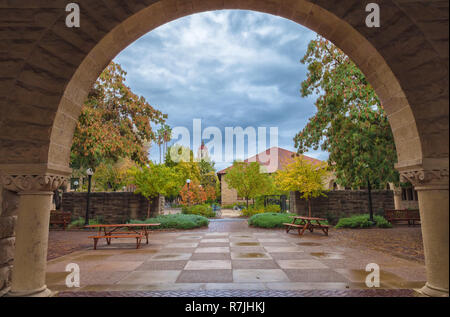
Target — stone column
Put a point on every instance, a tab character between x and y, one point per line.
432	187
30	256
397	196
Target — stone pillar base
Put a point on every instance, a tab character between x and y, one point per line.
42	292
433	291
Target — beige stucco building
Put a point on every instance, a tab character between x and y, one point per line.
272	160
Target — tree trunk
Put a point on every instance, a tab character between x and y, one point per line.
369	189
148	208
247	202
309	207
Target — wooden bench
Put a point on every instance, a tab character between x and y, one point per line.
117	236
306	223
290	226
60	218
410	215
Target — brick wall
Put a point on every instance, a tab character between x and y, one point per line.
113	207
8	219
343	203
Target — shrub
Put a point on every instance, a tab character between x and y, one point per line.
258	209
270	220
177	221
201	210
79	223
228	206
251	210
362	221
273	208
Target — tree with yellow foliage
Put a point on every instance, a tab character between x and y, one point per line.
304	177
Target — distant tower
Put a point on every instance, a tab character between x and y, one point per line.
203	153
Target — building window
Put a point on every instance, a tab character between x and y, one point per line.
409	193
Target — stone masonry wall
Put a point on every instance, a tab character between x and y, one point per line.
343	203
8	219
112	207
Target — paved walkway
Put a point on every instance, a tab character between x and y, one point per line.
233	257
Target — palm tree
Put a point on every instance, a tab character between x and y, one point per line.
167	136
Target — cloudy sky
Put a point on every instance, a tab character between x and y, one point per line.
227	68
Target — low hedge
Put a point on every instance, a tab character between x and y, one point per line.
200	210
270	220
177	221
79	223
362	221
255	210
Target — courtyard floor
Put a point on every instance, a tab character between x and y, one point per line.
230	257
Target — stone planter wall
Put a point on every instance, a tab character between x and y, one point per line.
343	203
112	207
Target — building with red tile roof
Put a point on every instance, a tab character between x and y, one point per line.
272	160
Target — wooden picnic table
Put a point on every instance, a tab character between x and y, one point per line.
134	230
309	223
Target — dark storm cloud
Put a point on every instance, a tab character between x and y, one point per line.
229	68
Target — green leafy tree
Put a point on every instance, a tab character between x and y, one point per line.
247	179
350	123
114	123
178	154
304	177
155	180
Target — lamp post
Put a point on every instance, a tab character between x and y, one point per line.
89	173
188	181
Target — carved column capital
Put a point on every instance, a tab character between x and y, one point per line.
423	179
32	183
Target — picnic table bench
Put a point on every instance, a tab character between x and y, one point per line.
309	223
60	218
395	215
109	232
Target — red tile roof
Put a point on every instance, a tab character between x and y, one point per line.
280	158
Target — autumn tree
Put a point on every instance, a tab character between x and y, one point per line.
350	123
193	194
304	177
247	179
112	176
114	123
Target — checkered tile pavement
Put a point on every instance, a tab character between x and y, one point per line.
219	261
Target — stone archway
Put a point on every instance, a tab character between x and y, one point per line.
49	69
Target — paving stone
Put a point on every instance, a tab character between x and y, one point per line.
211	256
170	256
215	240
182	245
208	265
162	265
282	249
259	275
290	255
301	264
254	264
272	240
150	277
205	276
213	244
213	250
249	256
314	275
